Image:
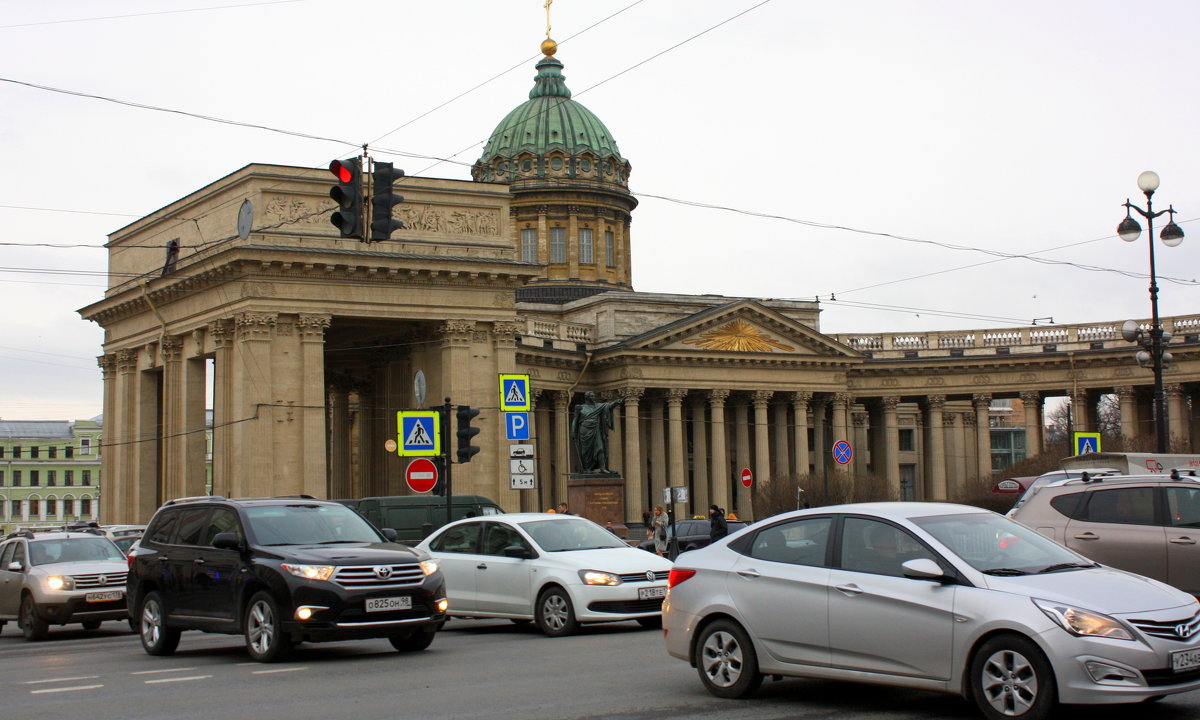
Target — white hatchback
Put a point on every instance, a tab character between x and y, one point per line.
557	570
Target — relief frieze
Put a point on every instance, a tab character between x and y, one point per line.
293	210
430	218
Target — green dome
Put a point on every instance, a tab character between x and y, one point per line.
551	135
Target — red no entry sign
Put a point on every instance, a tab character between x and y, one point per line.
747	477
421	475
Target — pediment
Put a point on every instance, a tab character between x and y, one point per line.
744	327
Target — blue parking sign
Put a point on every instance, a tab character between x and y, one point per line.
516	425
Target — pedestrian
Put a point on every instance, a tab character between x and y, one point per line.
659	530
562	509
609	527
717	527
647	516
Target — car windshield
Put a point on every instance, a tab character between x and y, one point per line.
579	534
89	549
998	546
309	524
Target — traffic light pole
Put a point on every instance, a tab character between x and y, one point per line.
446	460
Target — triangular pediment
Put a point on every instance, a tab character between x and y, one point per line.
744	327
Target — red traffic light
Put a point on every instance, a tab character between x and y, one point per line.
344	173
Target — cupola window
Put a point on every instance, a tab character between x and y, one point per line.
585	246
529	245
609	249
558	245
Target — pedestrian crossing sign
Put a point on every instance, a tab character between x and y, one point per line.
1087	443
514	393
418	432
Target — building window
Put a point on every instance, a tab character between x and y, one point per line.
35	507
1	451
1	478
16	509
1008	447
53	450
908	483
33	451
16	478
68	477
52	507
85	477
85	506
34	480
50	477
68	507
16	451
585	246
85	446
907	443
529	245
610	251
69	451
558	245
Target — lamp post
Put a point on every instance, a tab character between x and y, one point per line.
1153	345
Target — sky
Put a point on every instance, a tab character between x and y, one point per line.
886	157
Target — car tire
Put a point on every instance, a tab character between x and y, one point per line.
157	638
1012	680
33	627
726	660
413	641
650	623
555	614
265	639
91	625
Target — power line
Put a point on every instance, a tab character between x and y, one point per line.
145	14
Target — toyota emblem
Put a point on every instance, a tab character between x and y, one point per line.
1185	630
383	572
650	576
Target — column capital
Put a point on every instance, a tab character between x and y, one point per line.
1173	390
632	393
313	326
843	399
981	401
801	397
675	396
221	332
171	347
890	402
1031	397
935	402
562	398
108	364
456	331
1124	392
127	361
255	325
950	419
968	419
762	397
860	418
717	397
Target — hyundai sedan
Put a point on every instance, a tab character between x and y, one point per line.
931	596
557	570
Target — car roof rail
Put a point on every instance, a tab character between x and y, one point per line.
20	533
193	498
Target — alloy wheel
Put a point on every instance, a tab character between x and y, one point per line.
721	659
261	627
1009	682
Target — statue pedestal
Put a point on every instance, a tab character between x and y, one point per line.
599	497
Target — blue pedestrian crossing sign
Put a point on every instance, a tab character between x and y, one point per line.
418	432
1086	443
514	393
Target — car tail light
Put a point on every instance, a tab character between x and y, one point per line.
677	576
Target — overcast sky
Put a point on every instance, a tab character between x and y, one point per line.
1016	127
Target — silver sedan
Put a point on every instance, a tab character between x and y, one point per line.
932	596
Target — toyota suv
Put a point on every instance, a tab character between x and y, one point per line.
57	578
279	571
1147	524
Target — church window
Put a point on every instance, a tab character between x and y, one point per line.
556	163
558	245
609	250
585	246
585	165
529	245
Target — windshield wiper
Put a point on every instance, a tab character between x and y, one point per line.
335	542
1066	566
1004	571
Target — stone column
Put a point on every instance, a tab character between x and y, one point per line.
311	395
144	389
891	431
720	461
635	495
1032	402
658	451
1176	417
1080	417
700	494
983	437
821	444
339	440
841	410
616	442
937	447
562	446
1128	404
860	421
676	477
956	466
800	402
762	444
220	332
742	454
779	440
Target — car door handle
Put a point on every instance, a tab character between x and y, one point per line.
163	558
198	561
1087	536
850	589
1185	540
481	566
749	574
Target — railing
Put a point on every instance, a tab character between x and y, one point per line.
552	330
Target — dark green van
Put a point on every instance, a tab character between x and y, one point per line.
413	517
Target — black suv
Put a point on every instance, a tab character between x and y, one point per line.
279	571
692	534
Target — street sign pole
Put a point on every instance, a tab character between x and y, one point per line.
446	461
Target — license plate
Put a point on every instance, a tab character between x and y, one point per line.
389	603
103	596
1185	660
652	593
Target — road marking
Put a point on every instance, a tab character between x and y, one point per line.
65	689
178	679
156	672
53	680
278	670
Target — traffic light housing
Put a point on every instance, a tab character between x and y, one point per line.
348	194
466	414
439	487
383	201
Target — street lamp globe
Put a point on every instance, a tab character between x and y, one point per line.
1172	234
1148	182
1129	229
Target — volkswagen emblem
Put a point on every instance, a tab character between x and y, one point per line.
103	580
1185	630
650	576
383	572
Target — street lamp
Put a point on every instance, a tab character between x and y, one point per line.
1154	341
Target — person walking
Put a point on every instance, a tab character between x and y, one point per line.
659	530
717	526
563	509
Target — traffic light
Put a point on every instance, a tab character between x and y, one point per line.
383	201
348	195
439	487
466	450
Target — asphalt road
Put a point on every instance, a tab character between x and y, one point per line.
475	669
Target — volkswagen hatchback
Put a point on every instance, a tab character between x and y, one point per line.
931	596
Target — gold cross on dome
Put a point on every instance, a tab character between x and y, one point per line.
547	6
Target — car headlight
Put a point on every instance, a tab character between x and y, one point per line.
310	572
60	582
1084	623
596	577
429	567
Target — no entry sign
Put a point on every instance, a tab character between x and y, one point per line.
747	477
421	475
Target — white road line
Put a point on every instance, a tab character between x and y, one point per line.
178	679
278	670
65	689
156	672
54	680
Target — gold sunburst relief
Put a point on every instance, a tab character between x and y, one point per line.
738	336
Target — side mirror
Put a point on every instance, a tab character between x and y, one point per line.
16	567
924	569
389	533
227	541
518	551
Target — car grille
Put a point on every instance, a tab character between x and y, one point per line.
379	576
1159	678
644	577
97	580
1179	630
627	607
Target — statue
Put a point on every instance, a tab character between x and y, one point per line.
590	426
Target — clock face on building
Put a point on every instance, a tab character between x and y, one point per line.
245	219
